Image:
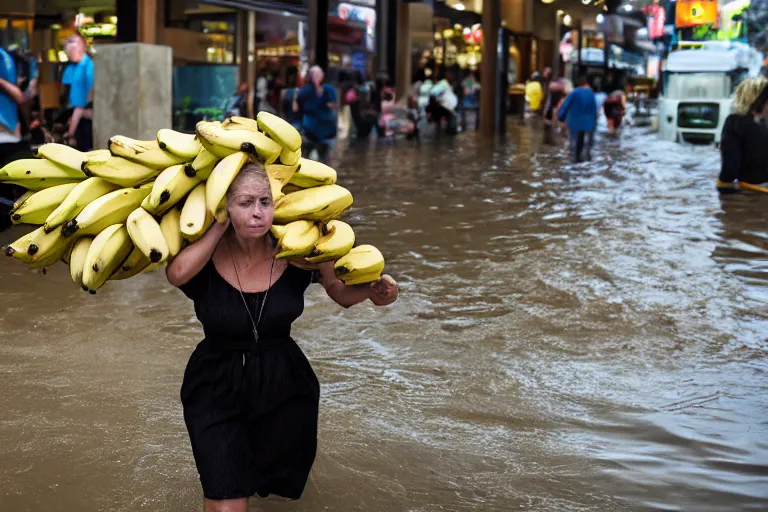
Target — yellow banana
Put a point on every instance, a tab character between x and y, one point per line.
107	252
134	264
337	240
195	217
109	209
288	157
77	259
279	130
37	174
220	179
319	203
276	190
58	252
63	155
36	245
298	239
313	174
223	142
169	188
170	224
204	163
145	152
279	176
363	264
97	154
38	206
147	236
180	144
240	123
277	231
81	195
120	171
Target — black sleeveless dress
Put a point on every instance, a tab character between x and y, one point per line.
250	408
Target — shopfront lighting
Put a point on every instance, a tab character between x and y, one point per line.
627	7
466	31
438	36
600	18
448	33
459	7
586	2
567	20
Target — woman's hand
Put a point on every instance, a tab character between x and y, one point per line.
384	291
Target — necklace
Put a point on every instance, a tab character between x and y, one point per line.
254	324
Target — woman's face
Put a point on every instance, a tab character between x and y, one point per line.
251	209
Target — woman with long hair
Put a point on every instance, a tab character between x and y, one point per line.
744	142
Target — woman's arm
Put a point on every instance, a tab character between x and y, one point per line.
381	293
191	260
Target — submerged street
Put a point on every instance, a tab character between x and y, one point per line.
568	337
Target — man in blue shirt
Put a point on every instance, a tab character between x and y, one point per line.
317	103
79	77
12	147
579	111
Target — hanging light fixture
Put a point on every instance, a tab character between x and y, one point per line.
547	1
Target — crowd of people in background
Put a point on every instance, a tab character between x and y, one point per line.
572	114
24	123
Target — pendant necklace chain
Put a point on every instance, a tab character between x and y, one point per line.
254	324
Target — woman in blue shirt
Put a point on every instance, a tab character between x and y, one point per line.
318	104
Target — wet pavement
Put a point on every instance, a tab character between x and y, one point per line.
587	337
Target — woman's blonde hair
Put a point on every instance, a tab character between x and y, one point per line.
746	94
252	171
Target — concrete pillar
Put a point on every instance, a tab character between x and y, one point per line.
132	91
403	49
488	68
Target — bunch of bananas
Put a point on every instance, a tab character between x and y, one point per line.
113	213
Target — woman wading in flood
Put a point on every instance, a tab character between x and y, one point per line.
250	396
744	142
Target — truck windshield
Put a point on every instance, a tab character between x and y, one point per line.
696	85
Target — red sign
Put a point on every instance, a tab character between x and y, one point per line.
657	16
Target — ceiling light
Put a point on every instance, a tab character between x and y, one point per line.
627	7
600	18
459	7
567	20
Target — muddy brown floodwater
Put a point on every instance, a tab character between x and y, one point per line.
587	337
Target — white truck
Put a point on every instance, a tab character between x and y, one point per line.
698	82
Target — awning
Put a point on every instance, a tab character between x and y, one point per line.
285	8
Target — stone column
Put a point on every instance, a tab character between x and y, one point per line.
403	49
148	12
132	93
488	67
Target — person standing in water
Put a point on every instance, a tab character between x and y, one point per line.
318	105
249	394
579	111
744	141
